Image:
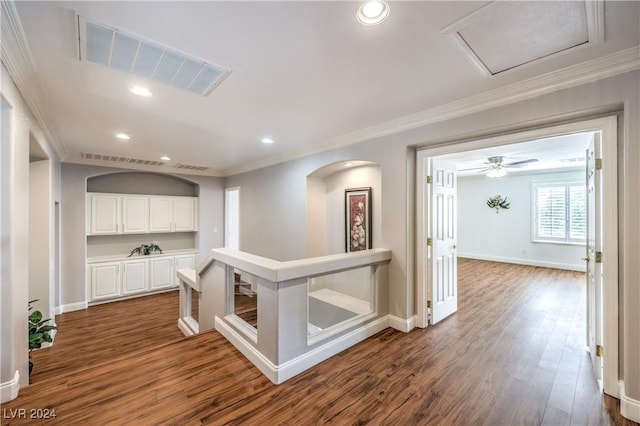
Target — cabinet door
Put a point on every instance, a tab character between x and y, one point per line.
134	276
105	214
184	261
161	272
105	280
160	214
183	214
135	215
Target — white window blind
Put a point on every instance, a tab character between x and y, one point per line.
559	212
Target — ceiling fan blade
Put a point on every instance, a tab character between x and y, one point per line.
474	168
521	163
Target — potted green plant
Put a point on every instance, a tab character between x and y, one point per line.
39	331
146	249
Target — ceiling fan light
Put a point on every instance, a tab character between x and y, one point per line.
373	12
497	172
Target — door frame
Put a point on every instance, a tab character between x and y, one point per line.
608	126
226	215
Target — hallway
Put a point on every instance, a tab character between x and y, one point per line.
512	354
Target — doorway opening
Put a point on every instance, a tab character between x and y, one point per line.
437	265
232	218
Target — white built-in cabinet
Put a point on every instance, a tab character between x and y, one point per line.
173	214
114	215
109	214
122	278
105	280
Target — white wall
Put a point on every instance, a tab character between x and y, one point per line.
336	184
506	236
40	206
18	126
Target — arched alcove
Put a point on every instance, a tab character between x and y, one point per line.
326	216
142	183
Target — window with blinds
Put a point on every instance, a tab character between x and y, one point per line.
560	212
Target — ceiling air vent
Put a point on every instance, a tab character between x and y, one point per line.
115	158
114	48
188	167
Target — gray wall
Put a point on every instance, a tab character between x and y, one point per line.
74	188
273	198
142	183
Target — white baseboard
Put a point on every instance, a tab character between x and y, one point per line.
9	390
530	262
280	373
629	408
188	328
70	307
401	324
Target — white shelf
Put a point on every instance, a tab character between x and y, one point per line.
122	257
341	300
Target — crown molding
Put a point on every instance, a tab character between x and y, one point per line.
620	62
16	57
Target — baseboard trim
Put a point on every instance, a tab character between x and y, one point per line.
70	307
401	324
188	328
529	262
9	390
283	372
629	408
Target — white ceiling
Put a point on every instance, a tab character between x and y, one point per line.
559	152
303	73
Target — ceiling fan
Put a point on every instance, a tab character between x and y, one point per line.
496	167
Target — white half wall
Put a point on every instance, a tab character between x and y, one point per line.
506	236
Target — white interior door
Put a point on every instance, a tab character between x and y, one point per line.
443	287
232	218
594	263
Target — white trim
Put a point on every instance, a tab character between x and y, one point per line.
70	307
401	324
188	326
17	58
629	408
595	32
531	262
586	72
9	390
282	372
608	126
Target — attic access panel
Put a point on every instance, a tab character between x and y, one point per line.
506	35
109	46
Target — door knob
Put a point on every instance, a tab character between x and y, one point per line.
586	258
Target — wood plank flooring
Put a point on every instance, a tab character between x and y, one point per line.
513	354
108	331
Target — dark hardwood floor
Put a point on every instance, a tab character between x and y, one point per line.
513	354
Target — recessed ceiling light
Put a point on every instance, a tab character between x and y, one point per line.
123	136
141	91
373	12
165	158
266	140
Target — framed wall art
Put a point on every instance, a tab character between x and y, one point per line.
358	219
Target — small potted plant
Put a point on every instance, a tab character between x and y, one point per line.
39	331
146	249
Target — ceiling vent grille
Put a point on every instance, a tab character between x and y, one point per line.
189	167
114	48
117	159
